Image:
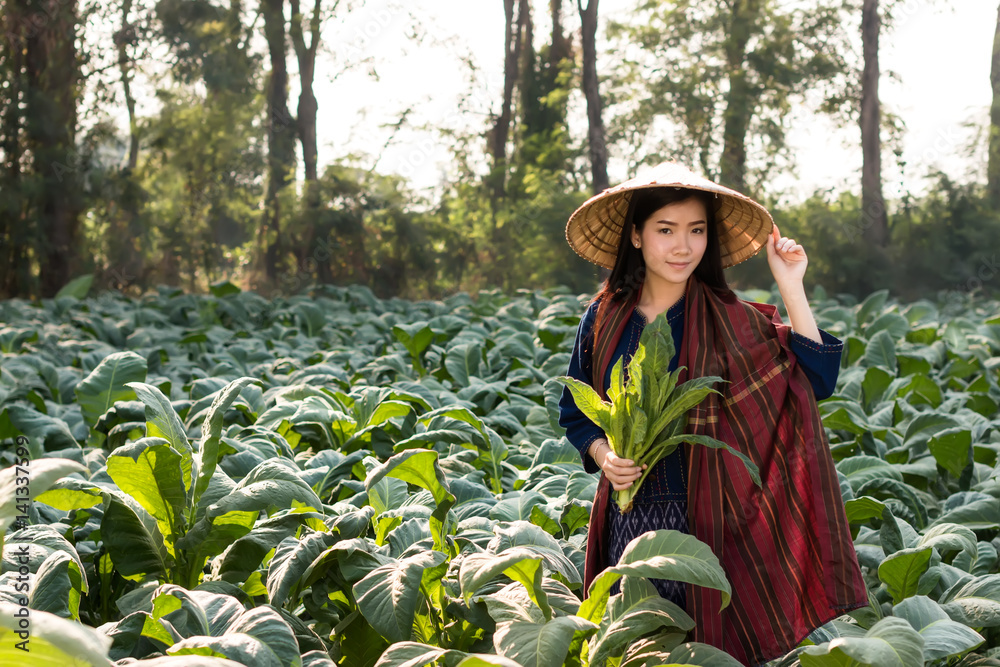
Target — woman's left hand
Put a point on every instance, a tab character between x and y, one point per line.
786	258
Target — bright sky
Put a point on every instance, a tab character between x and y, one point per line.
940	55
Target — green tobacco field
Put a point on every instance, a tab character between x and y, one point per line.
336	479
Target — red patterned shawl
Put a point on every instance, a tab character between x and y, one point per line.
787	548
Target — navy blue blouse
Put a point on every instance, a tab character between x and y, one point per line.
666	482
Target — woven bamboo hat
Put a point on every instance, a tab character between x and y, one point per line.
595	229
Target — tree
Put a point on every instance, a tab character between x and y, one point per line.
875	221
500	132
51	92
202	157
281	134
726	75
16	244
596	134
307	108
306	113
124	256
993	168
543	91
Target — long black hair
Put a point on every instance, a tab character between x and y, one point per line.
629	270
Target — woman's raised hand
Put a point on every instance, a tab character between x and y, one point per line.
786	258
622	473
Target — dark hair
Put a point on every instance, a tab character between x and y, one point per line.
629	270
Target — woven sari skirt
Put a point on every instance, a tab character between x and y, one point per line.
657	506
644	517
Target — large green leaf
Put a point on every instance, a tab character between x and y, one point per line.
702	655
881	351
44	432
59	584
524	534
540	644
133	539
589	402
389	594
149	470
190	661
952	448
980	514
76	288
415	337
266	625
521	564
671	554
487	660
51	641
236	646
211	432
163	421
943	637
712	443
860	469
414	654
977	603
271	485
463	361
947	537
593	608
292	557
638	611
108	383
211	619
33	545
420	467
901	571
35	479
871	307
892	642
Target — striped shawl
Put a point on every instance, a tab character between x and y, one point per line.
786	549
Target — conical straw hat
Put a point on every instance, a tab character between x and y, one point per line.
595	229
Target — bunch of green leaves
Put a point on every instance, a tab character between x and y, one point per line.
647	414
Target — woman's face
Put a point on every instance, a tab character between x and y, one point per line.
673	240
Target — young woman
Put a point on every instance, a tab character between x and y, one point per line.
786	548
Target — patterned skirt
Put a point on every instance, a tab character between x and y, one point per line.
657	506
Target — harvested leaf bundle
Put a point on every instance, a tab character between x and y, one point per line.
647	415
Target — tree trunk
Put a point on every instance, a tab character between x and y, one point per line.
308	106
15	244
874	220
123	38
529	104
281	133
307	110
501	129
126	263
993	168
596	135
561	45
739	101
52	88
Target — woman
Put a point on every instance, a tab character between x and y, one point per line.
786	549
